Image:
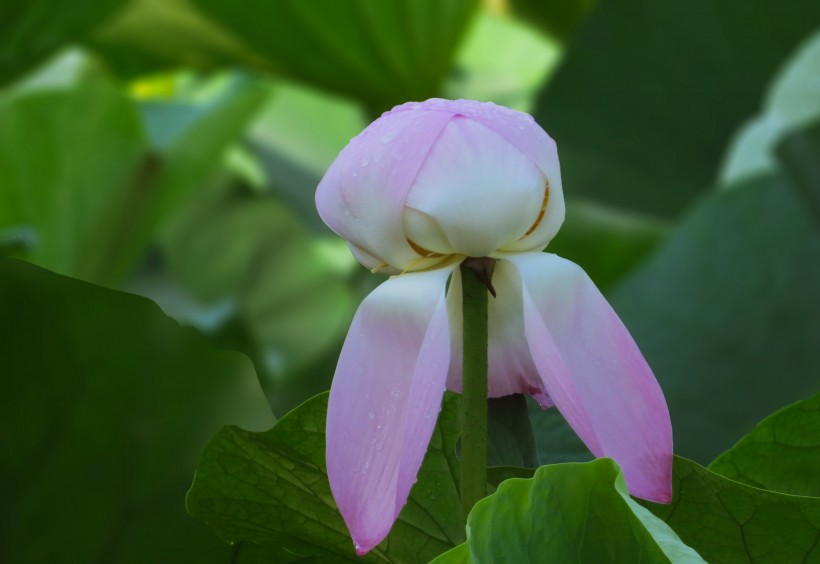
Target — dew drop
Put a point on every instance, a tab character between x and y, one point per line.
371	415
388	137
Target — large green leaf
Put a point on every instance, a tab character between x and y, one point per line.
799	153
271	488
254	253
727	313
554	439
106	405
510	439
792	101
650	92
155	35
502	60
307	126
559	18
782	454
33	30
728	522
77	171
190	136
381	53
72	165
567	513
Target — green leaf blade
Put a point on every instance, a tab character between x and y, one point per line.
728	522
567	513
34	30
644	127
380	53
106	405
781	454
271	488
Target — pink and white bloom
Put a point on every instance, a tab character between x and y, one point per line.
423	187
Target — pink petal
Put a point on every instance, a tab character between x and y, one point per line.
362	195
510	366
595	373
384	400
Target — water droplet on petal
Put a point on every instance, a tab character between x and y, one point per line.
371	415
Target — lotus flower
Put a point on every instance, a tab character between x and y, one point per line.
423	187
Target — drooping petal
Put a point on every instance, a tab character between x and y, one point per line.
362	195
384	400
510	366
594	372
493	192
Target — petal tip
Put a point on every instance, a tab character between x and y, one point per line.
363	546
661	496
360	550
657	491
665	497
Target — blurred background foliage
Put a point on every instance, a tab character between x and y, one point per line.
171	148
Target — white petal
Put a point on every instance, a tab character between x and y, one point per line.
523	133
482	192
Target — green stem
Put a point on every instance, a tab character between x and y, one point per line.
474	392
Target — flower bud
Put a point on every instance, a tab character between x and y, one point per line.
431	180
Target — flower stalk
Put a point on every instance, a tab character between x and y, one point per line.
476	277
